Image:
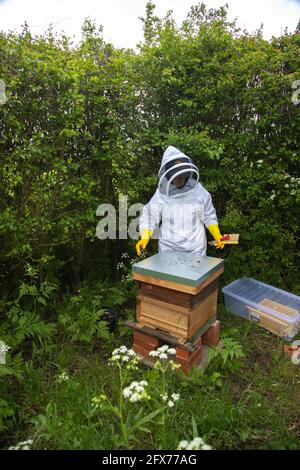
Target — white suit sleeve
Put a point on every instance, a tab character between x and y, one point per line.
210	215
151	214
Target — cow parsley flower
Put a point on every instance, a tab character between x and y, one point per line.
63	377
196	444
153	353
173	366
175	396
23	445
131	353
172	351
163	352
115	357
98	401
122	356
163	355
136	392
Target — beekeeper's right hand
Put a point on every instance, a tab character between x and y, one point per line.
141	245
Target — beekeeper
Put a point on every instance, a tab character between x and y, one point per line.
180	209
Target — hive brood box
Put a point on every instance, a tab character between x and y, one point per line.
177	291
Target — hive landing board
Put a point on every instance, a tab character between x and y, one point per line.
179	267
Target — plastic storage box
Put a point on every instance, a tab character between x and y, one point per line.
274	309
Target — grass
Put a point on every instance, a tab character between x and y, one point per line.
254	406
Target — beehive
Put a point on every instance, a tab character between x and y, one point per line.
177	292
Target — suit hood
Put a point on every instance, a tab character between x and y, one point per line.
175	163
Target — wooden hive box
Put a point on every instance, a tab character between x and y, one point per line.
265	317
177	292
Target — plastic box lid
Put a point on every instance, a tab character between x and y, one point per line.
264	297
180	267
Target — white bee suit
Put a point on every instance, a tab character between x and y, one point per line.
180	214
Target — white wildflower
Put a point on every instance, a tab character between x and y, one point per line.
163	348
163	352
144	383
97	402
136	392
171	351
163	356
117	352
164	396
198	441
134	384
196	444
153	353
133	364
175	396
183	445
126	392
116	357
131	353
23	445
173	365
63	377
123	355
134	397
170	404
127	277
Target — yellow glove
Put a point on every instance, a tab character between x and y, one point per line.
141	245
214	230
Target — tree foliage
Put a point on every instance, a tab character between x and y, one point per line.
85	123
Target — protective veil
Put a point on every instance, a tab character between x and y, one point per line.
179	214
